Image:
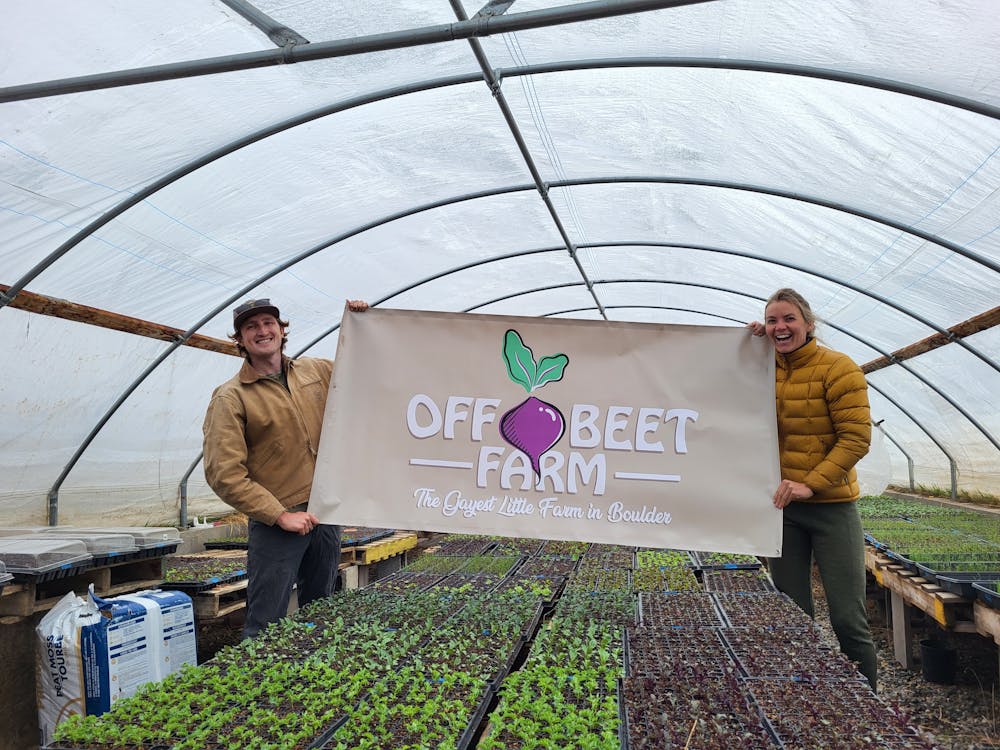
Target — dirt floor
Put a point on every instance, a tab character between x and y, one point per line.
960	716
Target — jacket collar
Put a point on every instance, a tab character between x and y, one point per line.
249	375
803	354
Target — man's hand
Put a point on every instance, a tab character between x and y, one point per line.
357	305
297	523
788	491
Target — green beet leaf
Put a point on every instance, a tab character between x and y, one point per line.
520	361
550	369
521	367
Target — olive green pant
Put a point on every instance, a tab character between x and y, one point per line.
831	534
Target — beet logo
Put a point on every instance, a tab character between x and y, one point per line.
533	426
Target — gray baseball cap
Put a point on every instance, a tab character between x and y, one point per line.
252	307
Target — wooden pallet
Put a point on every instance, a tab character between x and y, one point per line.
950	610
20	600
381	549
220	600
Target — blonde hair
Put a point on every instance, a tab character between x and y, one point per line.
792	297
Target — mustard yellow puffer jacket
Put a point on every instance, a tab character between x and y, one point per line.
824	421
261	440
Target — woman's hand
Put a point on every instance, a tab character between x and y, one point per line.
357	305
788	491
756	328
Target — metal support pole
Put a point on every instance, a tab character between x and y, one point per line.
909	459
477	27
182	521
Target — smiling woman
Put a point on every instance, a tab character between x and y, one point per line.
824	429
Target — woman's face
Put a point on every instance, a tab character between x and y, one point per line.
785	326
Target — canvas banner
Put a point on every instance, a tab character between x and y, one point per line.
624	433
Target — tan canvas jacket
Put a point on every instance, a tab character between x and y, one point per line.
824	421
261	440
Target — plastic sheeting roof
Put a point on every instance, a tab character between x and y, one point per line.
673	165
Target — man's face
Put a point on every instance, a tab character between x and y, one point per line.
261	335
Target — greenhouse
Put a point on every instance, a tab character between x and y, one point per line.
634	163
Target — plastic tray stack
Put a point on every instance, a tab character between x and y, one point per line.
151	541
103	548
43	559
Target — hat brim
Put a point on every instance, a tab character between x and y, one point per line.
244	316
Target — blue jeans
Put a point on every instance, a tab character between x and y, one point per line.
276	559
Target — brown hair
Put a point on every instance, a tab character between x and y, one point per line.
243	352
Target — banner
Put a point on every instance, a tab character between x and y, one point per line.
624	433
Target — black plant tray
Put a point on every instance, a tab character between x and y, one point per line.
160	550
226	545
326	734
713	582
65	571
988	596
703	562
961	583
876	543
622	713
946	565
471	732
939	573
106	746
373	535
114	558
193	587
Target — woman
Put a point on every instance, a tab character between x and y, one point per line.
824	429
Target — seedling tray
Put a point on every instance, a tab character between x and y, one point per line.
194	587
222	544
937	572
146	537
961	583
987	593
725	561
43	559
103	548
355	536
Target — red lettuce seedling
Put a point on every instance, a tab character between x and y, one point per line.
533	426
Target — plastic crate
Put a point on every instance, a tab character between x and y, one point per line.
43	559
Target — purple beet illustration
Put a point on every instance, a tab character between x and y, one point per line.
533	426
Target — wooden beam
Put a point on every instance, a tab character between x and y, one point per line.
57	308
978	323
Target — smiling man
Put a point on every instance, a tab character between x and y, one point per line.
261	435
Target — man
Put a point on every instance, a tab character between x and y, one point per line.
262	431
